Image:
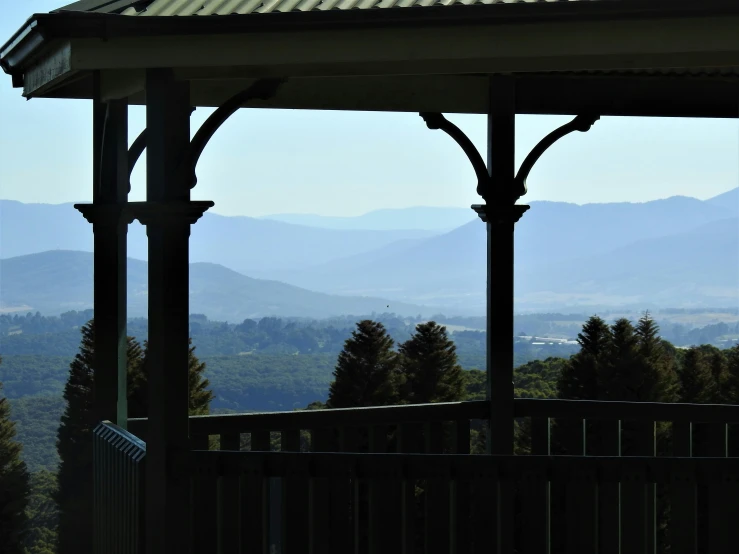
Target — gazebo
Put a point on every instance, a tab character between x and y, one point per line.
587	59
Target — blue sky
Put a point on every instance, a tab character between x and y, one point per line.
338	163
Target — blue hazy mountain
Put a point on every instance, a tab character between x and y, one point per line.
60	280
557	246
674	252
244	244
431	218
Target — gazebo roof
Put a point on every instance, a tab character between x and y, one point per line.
613	57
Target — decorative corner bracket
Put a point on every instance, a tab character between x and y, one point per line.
261	90
581	123
434	121
134	153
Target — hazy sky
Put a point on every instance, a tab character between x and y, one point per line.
276	161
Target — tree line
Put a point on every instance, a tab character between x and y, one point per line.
43	513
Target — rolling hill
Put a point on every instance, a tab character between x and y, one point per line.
57	281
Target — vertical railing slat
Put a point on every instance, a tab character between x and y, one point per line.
409	441
341	496
204	505
436	497
683	525
230	502
645	444
295	492
609	492
582	509
535	511
320	505
570	436
384	530
461	499
536	492
634	512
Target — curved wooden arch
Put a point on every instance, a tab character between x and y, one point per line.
261	90
581	123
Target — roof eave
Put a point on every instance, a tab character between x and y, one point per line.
21	46
16	53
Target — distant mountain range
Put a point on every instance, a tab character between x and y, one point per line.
434	219
244	244
60	280
677	252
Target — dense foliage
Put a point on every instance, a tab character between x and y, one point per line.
59	336
43	514
280	364
14	486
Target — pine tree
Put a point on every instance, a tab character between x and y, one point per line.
582	374
14	486
366	371
74	444
660	381
583	377
199	395
429	366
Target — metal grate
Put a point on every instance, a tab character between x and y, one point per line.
118	488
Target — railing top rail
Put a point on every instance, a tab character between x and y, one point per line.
110	432
612	410
447	466
339	417
454	411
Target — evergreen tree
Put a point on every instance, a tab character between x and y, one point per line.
583	377
14	486
199	395
74	444
366	371
582	374
659	379
429	366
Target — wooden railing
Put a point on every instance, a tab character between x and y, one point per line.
625	484
118	490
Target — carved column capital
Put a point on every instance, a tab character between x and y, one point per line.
105	214
167	213
500	214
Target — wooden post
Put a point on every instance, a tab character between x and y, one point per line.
167	214
500	214
110	222
500	217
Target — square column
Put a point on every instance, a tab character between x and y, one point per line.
110	222
167	214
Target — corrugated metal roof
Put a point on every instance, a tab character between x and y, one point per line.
229	7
